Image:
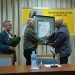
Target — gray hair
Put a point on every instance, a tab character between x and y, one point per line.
5	22
30	20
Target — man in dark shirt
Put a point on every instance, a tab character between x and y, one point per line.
5	36
60	40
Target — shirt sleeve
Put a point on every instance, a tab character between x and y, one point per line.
3	47
50	38
33	36
60	37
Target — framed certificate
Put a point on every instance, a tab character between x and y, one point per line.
43	29
44	25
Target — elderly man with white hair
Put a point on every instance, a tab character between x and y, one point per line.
60	40
30	40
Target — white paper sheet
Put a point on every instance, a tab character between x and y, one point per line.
44	29
49	65
35	68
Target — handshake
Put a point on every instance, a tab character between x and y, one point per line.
45	42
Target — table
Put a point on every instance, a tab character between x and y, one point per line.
66	69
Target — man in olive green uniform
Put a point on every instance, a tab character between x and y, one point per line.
30	40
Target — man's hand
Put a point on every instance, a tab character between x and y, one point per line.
12	48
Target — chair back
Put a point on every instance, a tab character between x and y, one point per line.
48	59
6	59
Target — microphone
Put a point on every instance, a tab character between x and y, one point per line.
53	52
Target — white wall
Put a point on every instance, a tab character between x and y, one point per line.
48	3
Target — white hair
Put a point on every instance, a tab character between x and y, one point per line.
6	21
30	20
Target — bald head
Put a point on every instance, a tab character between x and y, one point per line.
58	23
